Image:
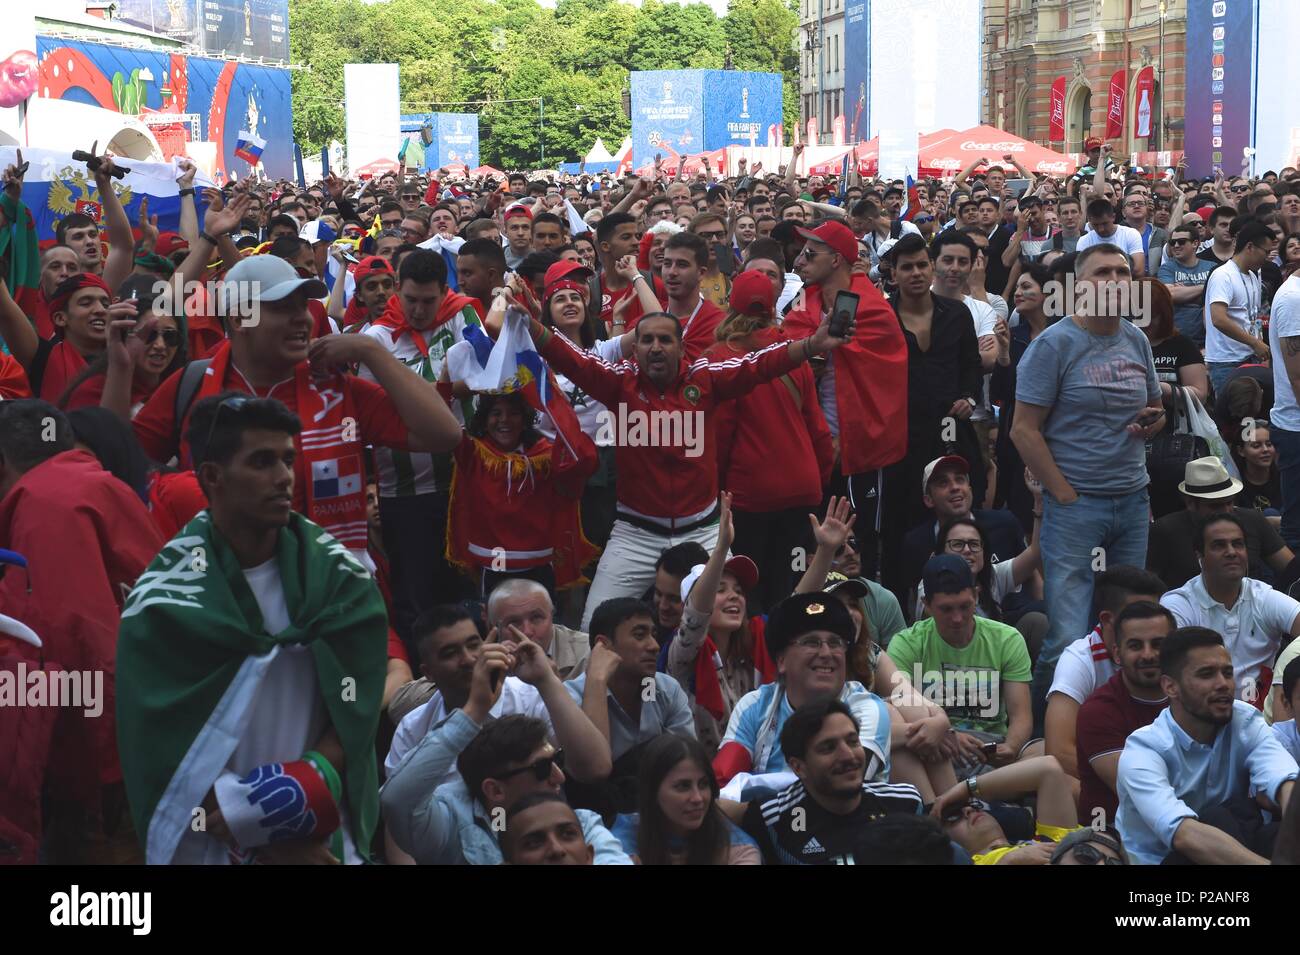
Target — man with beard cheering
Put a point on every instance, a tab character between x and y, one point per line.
1186	781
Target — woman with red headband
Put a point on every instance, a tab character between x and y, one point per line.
82	310
158	351
778	422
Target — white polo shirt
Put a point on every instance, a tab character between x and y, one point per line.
1252	630
1083	666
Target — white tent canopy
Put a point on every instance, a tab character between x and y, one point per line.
599	153
63	125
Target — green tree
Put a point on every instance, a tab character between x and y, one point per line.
534	76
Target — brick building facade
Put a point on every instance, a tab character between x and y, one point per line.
1029	43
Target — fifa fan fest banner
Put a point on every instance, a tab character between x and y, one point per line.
1220	84
857	47
455	140
739	107
440	139
200	99
667	114
252	28
687	112
56	185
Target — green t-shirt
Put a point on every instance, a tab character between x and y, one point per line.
966	682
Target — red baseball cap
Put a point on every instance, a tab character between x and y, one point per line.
949	462
517	210
169	243
371	265
1091	143
565	274
837	235
752	293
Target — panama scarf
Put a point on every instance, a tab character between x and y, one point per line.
190	625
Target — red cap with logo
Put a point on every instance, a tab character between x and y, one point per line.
371	265
838	236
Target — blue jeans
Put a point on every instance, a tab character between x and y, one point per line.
1288	462
1219	371
1079	539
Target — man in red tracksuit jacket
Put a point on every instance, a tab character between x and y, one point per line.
864	388
661	419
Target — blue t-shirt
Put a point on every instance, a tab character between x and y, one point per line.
759	715
1095	386
625	831
1189	318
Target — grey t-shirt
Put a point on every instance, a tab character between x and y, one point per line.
1095	385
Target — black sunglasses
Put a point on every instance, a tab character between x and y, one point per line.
234	403
1090	855
541	769
170	336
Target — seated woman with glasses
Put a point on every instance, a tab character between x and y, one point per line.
965	537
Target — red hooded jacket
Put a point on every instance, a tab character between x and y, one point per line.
774	448
870	378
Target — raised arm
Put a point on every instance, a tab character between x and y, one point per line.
189	224
418	821
586	749
792	171
121	244
428	419
16	328
965	173
699	608
830	534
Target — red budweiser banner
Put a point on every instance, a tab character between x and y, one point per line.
812	131
1056	132
1115	106
837	131
1144	94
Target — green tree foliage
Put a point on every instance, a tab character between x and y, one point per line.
498	57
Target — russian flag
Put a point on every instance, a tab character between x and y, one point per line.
912	204
249	147
56	184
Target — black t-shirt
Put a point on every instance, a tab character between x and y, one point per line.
1261	497
792	828
995	273
1171	558
1172	354
1006	538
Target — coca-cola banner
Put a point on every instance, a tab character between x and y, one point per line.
1144	95
1115	106
1056	129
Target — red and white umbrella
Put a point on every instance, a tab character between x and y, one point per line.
952	153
